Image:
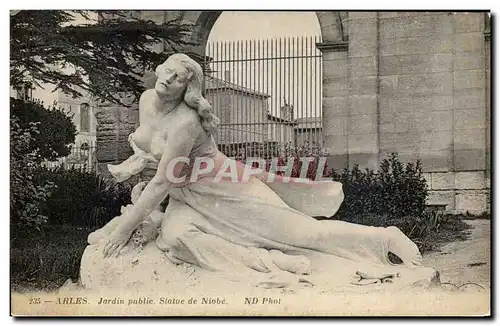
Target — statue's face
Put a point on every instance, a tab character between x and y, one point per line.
172	79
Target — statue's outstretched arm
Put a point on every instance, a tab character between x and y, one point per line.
178	145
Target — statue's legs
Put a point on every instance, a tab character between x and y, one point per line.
251	212
184	239
349	240
352	241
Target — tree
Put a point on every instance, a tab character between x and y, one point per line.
25	194
55	129
36	133
105	59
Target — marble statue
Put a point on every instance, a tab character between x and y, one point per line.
251	227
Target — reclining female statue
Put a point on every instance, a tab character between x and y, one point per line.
260	223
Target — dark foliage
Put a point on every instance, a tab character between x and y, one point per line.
26	195
55	133
82	198
396	196
105	59
30	143
395	191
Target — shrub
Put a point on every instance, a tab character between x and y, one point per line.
78	203
82	198
395	191
56	131
25	194
396	196
30	144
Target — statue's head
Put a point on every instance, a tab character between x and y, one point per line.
180	76
174	75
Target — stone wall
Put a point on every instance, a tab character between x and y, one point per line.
416	85
115	124
460	192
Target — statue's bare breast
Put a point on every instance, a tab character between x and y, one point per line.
151	139
151	134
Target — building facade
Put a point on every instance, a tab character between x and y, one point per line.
242	112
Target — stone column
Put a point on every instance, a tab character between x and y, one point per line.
363	90
471	113
487	37
469	89
114	124
416	94
335	94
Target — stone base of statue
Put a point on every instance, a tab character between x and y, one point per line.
149	270
135	268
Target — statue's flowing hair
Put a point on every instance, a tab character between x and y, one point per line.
193	95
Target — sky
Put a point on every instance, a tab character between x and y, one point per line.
296	81
240	25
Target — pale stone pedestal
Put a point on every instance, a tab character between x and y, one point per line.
147	268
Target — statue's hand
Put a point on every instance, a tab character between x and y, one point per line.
151	158
114	243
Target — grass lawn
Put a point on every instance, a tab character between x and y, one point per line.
45	260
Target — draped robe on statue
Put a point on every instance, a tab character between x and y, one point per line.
263	232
